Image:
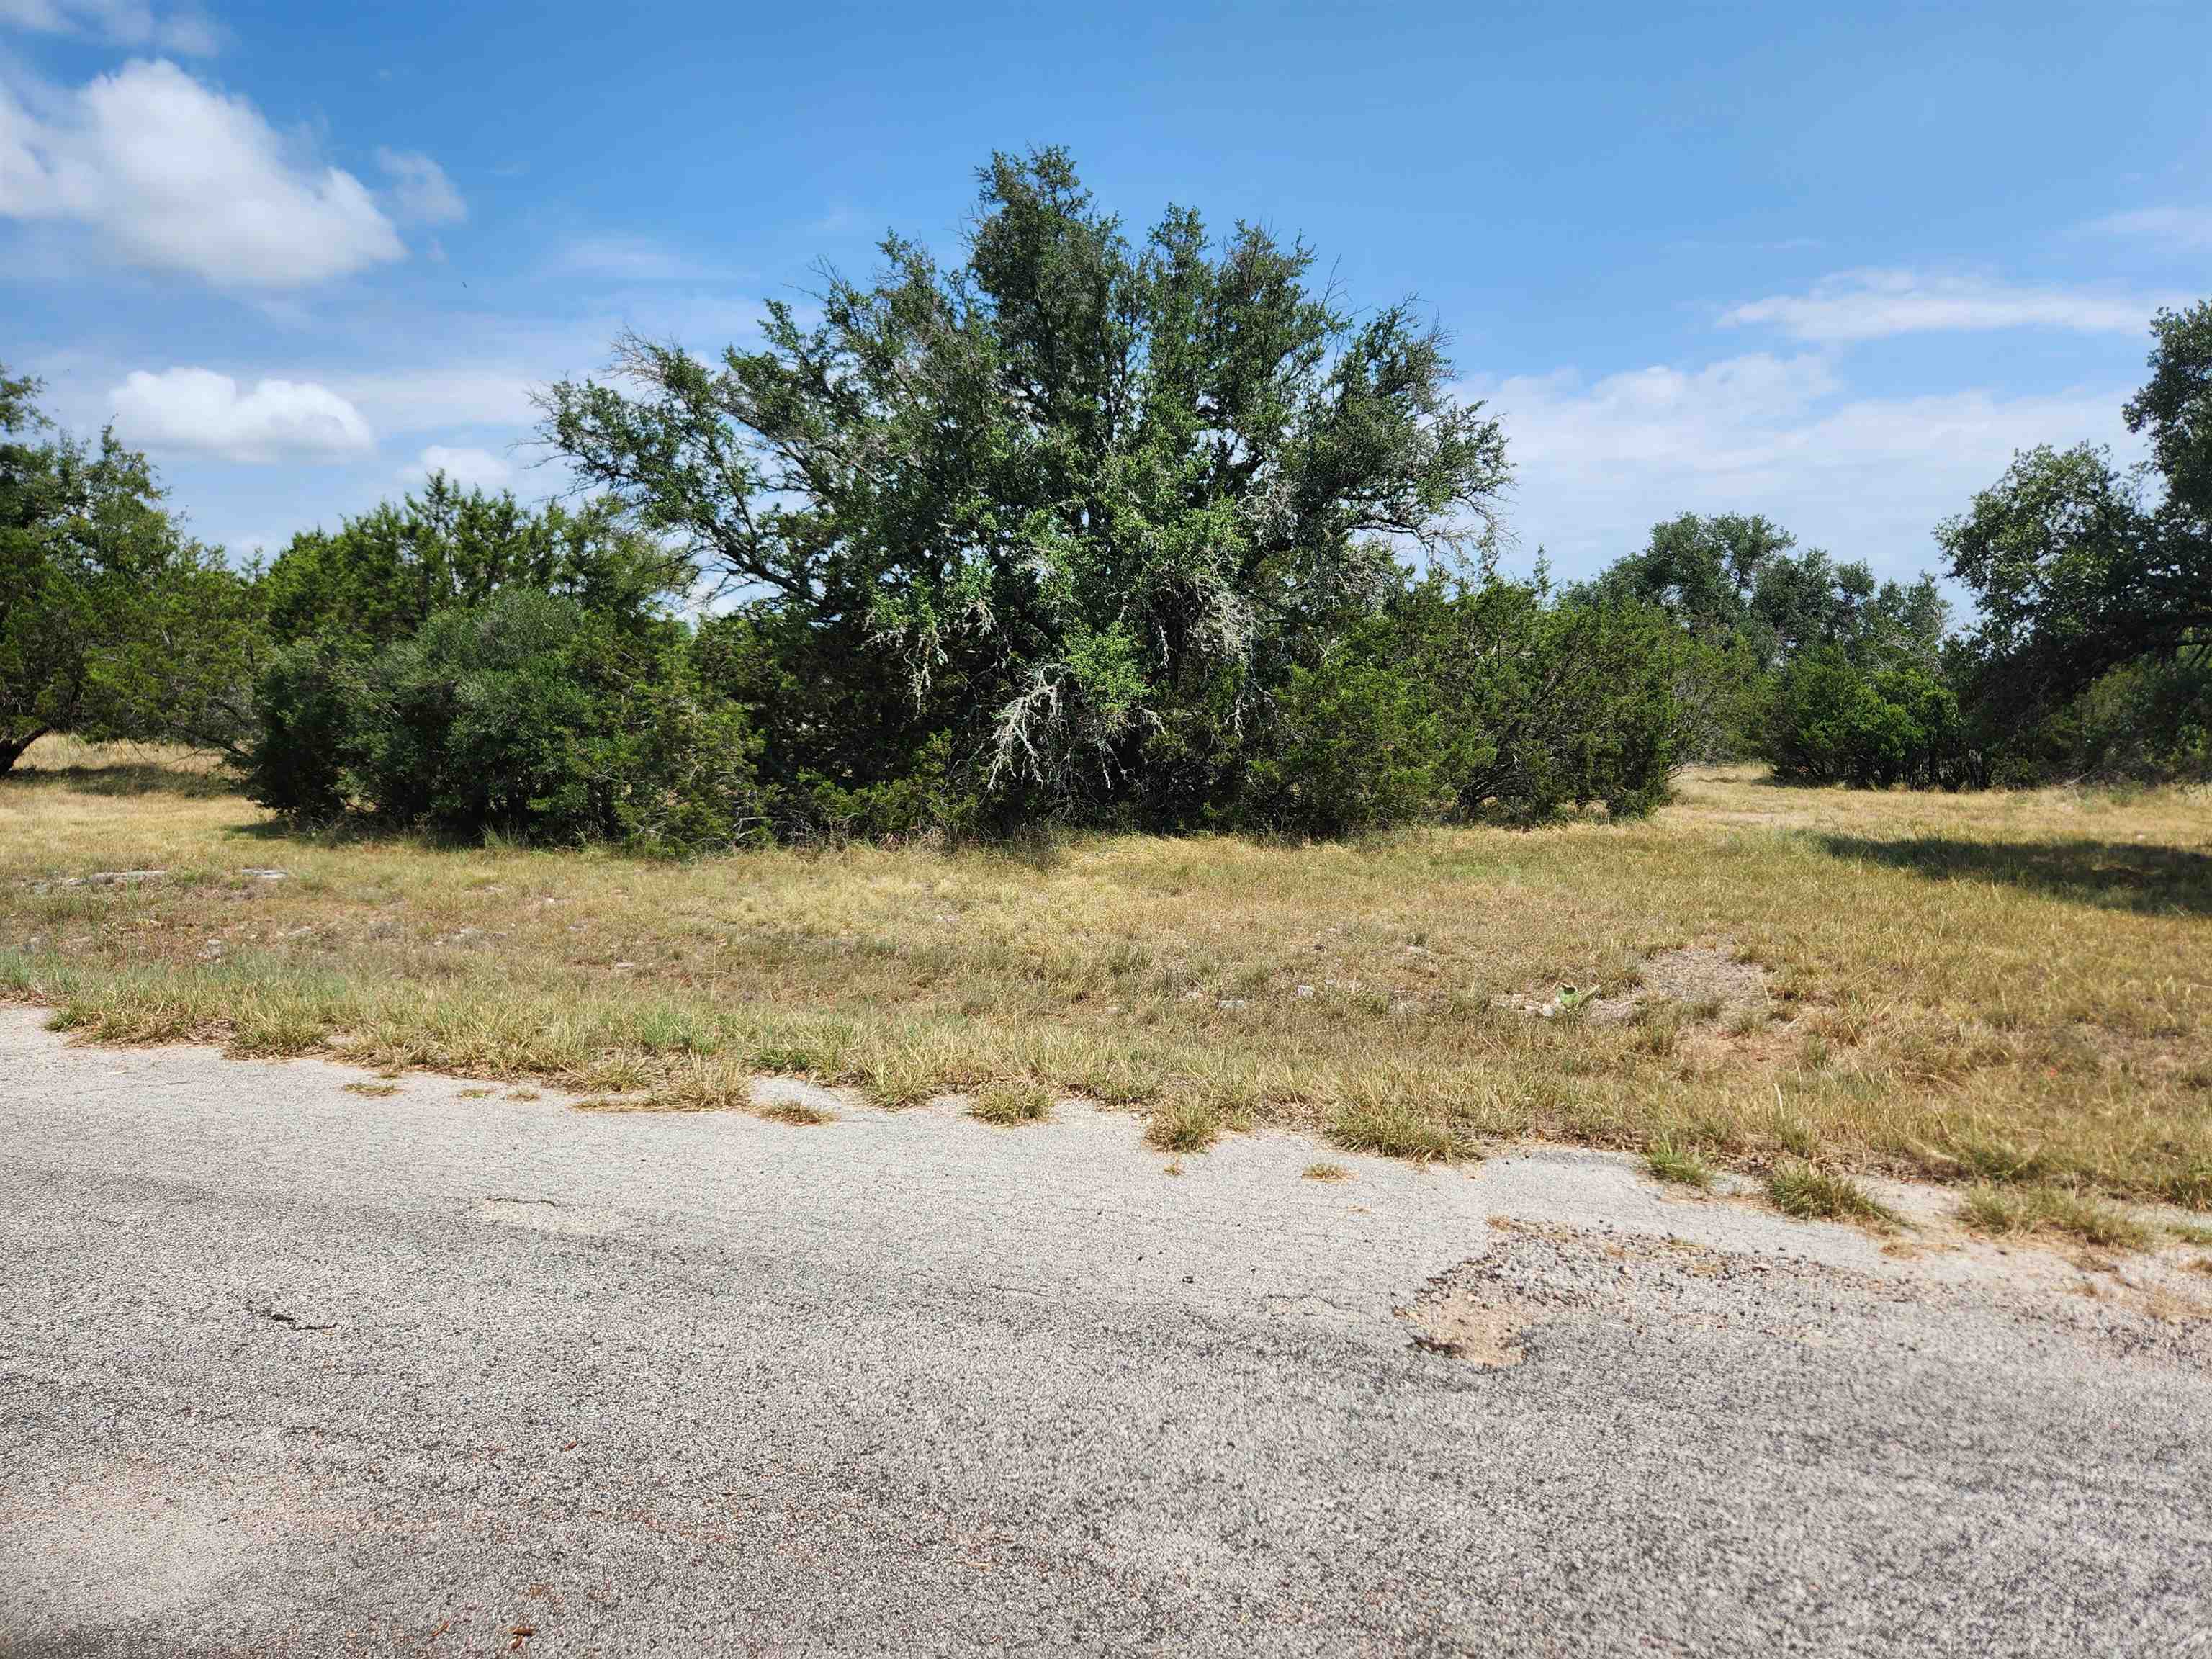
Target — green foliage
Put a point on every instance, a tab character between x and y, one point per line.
1834	720
1703	572
2082	569
113	623
380	577
304	704
1544	704
2147	721
1353	744
1078	505
1732	583
528	715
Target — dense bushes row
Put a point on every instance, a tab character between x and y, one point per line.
548	716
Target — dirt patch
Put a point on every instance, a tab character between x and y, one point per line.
1483	1334
1709	980
1696	976
1467	1313
548	1215
1561	1278
123	1545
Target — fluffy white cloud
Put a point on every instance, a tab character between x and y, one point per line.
1873	305
419	187
472	469
179	176
1599	462
130	23
197	411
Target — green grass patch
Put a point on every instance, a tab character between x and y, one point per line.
1010	1104
1803	1190
1677	1162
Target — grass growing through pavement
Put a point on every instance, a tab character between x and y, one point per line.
2001	1211
1805	1190
1673	1160
2009	989
1012	1102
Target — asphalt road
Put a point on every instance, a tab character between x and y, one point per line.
286	1368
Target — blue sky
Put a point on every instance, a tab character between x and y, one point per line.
1830	263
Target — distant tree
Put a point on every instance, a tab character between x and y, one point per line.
1704	572
1062	516
114	623
2081	568
378	577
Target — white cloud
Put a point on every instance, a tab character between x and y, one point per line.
133	24
471	469
197	411
419	187
1598	463
1873	305
2176	227
178	177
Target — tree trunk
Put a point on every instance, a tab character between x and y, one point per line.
11	750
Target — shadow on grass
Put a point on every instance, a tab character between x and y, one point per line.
122	779
2111	875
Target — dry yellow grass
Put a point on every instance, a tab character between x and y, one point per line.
2000	987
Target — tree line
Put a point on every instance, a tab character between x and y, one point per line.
1093	528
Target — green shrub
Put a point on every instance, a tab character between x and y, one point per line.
1831	721
1545	705
1353	746
528	715
303	706
2147	722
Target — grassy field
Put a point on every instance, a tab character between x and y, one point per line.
2012	992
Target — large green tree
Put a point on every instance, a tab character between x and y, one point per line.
1061	514
114	623
2081	566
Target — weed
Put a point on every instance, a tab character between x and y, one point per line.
1806	1190
1659	1033
374	1089
1182	1123
1008	1104
1677	1161
1326	1172
1396	1129
793	1111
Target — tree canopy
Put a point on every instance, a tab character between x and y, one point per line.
1066	509
114	623
2081	567
380	576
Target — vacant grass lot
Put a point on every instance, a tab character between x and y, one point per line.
2010	990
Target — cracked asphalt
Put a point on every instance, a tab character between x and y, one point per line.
286	1368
